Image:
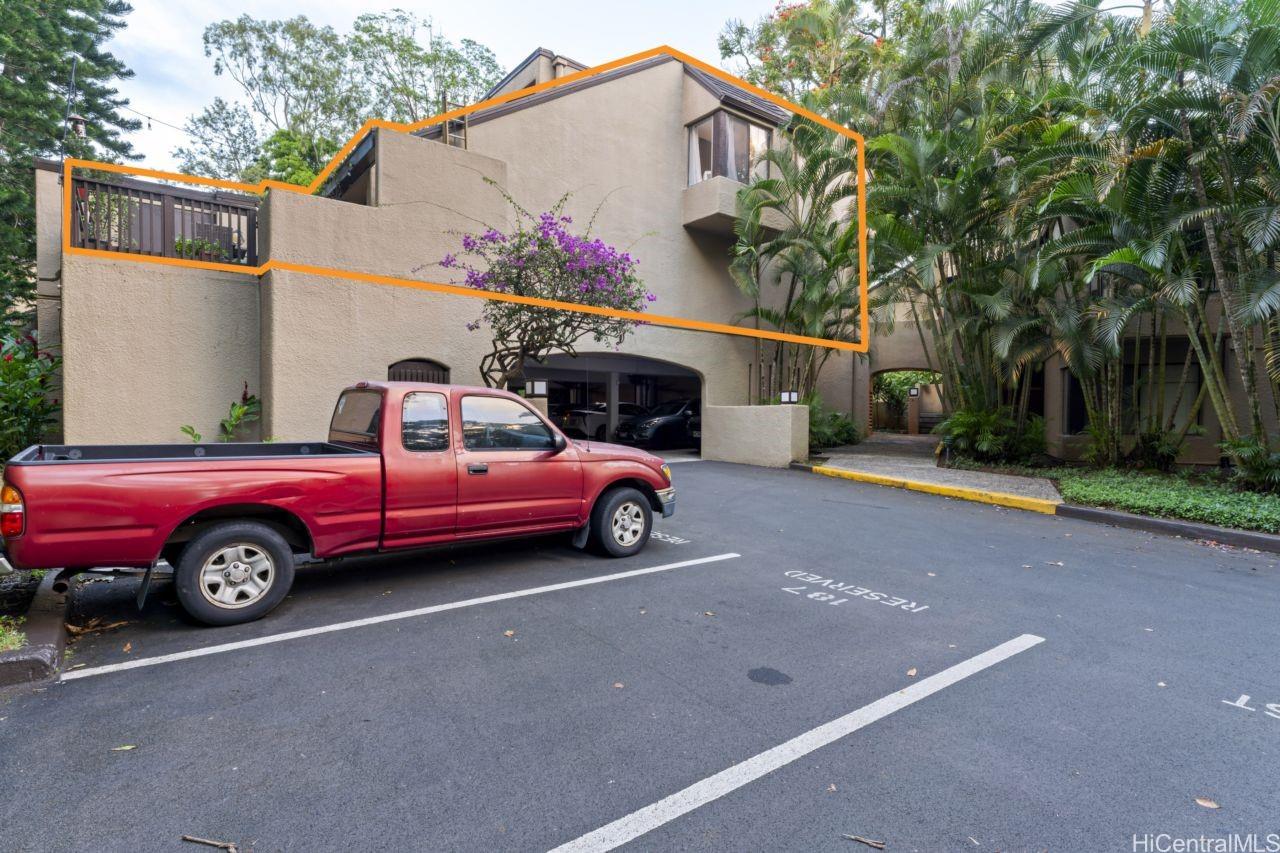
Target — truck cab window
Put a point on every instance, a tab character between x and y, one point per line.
496	423
356	419
424	425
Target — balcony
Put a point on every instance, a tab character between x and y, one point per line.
710	206
143	218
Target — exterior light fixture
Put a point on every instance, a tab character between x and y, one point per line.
914	392
790	396
536	388
78	124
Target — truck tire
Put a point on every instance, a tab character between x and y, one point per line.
233	572
621	521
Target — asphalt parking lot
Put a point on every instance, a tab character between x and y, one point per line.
739	685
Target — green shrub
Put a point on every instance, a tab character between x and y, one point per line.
1155	448
1171	497
1257	467
197	247
827	427
27	375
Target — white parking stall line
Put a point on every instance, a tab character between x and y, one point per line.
389	617
664	811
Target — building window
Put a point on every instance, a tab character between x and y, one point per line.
725	145
424	424
419	370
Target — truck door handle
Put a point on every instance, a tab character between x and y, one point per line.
478	468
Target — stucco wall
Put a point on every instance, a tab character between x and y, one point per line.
772	436
622	147
322	334
149	348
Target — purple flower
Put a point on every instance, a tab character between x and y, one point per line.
448	261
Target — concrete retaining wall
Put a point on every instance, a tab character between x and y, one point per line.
772	436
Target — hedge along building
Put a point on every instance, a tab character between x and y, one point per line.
655	150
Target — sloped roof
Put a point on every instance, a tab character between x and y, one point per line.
725	93
739	98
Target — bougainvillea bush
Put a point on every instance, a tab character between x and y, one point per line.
27	375
542	257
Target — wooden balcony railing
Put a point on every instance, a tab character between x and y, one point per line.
141	218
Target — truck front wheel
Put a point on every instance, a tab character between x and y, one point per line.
621	521
233	572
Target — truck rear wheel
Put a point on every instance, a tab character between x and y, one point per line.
621	521
233	572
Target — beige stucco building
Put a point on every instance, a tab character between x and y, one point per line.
653	151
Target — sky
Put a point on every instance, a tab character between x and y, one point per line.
174	79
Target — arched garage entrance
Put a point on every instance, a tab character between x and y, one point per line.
592	393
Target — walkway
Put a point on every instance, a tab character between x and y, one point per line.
911	457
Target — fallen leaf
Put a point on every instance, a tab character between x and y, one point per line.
831	787
508	633
1207	803
128	647
125	748
912	672
709	613
643	611
879	845
618	684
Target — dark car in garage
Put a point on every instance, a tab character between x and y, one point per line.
666	425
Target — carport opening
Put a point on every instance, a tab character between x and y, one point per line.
590	395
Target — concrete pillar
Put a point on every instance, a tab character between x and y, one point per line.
539	403
913	415
611	405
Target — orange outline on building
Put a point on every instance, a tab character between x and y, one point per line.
864	323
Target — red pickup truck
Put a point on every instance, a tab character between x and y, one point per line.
407	465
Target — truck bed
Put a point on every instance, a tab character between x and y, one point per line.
116	505
62	453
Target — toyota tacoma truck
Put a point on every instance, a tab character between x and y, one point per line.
406	465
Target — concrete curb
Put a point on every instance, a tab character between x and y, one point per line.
1174	527
46	630
1114	517
1041	505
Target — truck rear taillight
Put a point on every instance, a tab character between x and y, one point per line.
13	515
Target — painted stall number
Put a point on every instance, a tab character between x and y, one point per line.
667	537
847	589
1272	710
814	596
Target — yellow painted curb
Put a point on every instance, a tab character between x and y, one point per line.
1044	505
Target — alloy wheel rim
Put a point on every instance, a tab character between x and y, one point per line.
628	524
236	576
